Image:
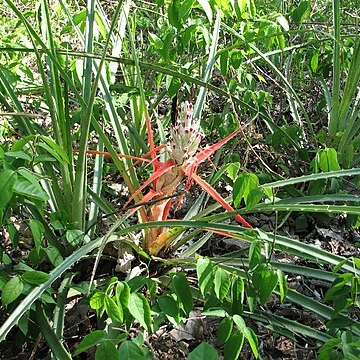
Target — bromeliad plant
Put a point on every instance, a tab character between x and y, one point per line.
184	156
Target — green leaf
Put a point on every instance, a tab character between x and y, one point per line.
123	294
283	285
184	10
136	283
253	341
224	62
169	306
204	351
254	197
100	24
265	281
243	186
7	181
12	290
35	277
314	61
301	12
251	298
27	185
54	149
224	330
239	322
204	271
214	312
173	13
248	333
18	155
232	170
105	351
338	285
254	254
233	346
37	230
114	310
221	283
128	350
76	19
237	295
183	292
139	308
90	340
328	160
74	237
97	300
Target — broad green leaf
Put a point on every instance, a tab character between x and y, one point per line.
18	155
7	181
173	13
97	300
233	346
283	285
204	271
155	41
106	350
27	185
251	298
37	230
12	290
337	286
74	237
128	350
204	351
224	62
54	255
169	306
36	277
253	341
301	12
237	295
123	294
113	309
239	322
232	170
136	283
254	254
76	19
90	340
224	330
214	312
254	197
139	308
183	292
265	281
328	160
221	283
243	186
184	10
314	61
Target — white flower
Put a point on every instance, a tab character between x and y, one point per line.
184	136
